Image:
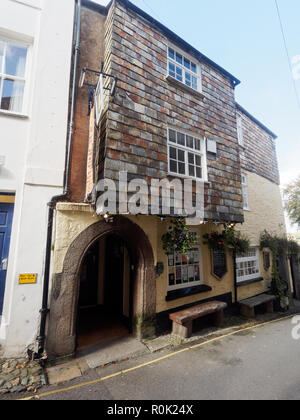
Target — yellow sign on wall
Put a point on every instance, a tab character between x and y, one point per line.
27	278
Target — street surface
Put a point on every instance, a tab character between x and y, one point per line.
261	363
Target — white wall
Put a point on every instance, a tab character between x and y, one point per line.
34	147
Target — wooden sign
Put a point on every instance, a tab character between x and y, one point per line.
27	278
219	263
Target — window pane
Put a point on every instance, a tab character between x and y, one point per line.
172	136
194	83
12	97
173	154
181	155
199	172
173	166
181	139
171	53
191	170
187	63
179	58
15	60
190	142
1	55
194	68
172	69
191	159
197	144
181	168
198	160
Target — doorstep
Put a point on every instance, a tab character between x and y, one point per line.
111	352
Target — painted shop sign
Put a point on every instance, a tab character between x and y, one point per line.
219	263
27	278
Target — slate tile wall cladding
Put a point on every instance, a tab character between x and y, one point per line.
259	154
145	103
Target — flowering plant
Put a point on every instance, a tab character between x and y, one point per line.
178	238
228	238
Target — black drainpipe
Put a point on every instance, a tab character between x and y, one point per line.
45	310
235	279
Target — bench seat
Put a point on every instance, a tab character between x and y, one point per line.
183	320
247	306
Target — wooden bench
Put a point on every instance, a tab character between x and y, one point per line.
247	306
183	320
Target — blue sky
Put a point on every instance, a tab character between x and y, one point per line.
247	41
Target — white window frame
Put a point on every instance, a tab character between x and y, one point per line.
184	69
245	259
187	150
240	131
188	284
25	79
245	192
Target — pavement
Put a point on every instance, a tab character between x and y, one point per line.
258	362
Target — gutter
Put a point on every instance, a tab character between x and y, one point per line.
45	310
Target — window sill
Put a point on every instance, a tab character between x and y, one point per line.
182	86
189	291
13	114
247	282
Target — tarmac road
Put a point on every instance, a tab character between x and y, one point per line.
257	364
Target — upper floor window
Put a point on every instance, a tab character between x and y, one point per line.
184	69
240	130
13	59
187	155
245	192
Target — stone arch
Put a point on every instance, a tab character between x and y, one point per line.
61	335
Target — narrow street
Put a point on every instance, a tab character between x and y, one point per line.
260	363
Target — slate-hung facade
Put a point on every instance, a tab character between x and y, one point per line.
173	114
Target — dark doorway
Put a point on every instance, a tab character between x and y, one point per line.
105	293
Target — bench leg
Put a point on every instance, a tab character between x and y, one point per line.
219	319
247	312
270	307
183	331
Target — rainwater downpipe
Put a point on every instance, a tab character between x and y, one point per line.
45	310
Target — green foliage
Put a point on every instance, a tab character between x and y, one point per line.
178	238
228	238
292	201
279	247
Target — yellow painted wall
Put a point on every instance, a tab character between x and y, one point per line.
266	213
72	219
266	209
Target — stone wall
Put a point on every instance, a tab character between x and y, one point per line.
146	103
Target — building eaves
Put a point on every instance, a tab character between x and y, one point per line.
256	121
169	34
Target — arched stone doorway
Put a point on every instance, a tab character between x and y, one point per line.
61	336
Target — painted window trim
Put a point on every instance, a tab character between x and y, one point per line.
246	206
26	79
201	153
201	282
243	259
189	58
